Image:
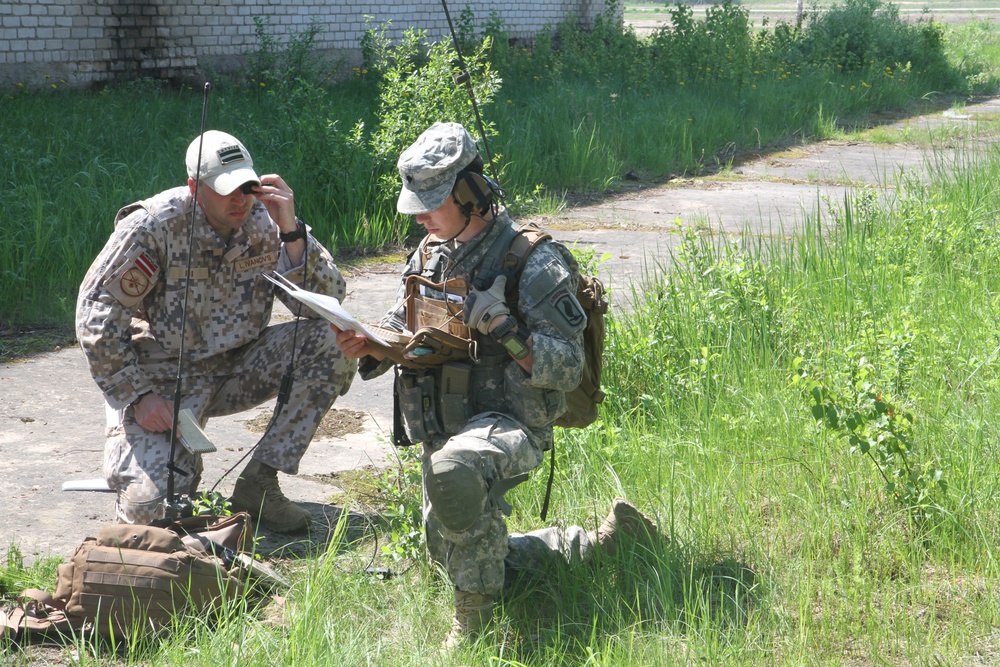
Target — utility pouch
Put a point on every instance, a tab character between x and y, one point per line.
455	398
417	397
430	348
436	305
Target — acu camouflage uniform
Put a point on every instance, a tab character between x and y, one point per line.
129	316
503	424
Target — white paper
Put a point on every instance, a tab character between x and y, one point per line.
327	306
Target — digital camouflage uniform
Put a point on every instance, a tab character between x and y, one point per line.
129	318
505	421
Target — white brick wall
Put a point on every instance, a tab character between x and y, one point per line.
81	42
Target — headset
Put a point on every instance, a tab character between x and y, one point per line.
476	193
473	192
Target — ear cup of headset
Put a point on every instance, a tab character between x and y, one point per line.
472	192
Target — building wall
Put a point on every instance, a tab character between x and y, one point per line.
77	43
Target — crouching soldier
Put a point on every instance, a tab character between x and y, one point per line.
129	319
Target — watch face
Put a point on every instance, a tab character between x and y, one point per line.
515	346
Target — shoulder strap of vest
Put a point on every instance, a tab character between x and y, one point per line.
529	235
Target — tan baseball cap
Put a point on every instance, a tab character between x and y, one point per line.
225	162
430	165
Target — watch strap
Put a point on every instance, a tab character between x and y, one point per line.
503	328
299	233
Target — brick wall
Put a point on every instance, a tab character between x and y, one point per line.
77	43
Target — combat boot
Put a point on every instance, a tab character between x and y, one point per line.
257	493
624	521
473	613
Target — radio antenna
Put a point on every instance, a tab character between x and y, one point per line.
463	77
173	509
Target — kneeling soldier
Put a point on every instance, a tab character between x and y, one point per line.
485	423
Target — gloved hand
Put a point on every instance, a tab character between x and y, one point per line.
483	306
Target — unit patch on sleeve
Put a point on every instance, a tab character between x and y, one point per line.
134	280
564	303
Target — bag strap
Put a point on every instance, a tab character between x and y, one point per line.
43	598
36	612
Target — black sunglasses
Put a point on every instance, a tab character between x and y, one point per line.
247	188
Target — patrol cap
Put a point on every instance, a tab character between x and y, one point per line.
429	166
225	162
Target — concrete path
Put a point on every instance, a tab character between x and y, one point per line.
52	417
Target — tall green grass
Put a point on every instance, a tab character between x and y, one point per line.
574	113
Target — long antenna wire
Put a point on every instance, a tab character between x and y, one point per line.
171	468
464	78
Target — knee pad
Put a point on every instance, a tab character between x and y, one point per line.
457	493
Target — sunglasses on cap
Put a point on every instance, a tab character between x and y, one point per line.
247	188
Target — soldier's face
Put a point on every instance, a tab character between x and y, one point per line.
447	220
224	213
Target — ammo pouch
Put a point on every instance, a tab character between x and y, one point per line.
434	401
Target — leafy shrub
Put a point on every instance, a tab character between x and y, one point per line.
869	34
417	89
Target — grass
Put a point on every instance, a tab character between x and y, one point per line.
786	547
792	540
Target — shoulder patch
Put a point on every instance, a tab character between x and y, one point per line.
566	305
134	280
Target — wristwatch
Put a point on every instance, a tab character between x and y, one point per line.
512	341
299	233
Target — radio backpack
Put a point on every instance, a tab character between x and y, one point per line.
132	579
581	402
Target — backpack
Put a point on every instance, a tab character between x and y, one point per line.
581	402
131	579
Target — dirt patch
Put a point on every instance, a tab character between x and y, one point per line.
336	423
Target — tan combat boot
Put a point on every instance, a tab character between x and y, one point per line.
624	521
473	613
257	493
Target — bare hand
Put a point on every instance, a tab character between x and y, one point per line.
154	413
354	345
278	199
